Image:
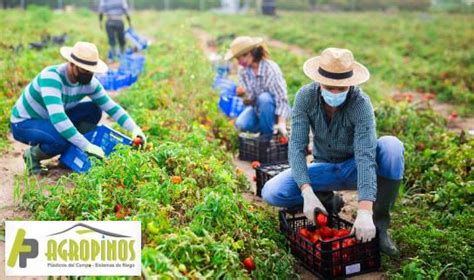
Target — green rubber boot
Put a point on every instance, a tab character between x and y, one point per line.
33	157
387	192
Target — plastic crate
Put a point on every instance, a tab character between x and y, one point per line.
104	137
139	42
320	258
266	172
262	149
229	103
107	80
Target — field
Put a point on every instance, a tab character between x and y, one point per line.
184	187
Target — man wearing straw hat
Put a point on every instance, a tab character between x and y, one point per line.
262	87
347	154
50	114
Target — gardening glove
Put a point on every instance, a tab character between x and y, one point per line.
137	132
311	202
95	151
364	227
281	128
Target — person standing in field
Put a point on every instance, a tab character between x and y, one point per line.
115	10
50	114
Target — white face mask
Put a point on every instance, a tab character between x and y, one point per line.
334	99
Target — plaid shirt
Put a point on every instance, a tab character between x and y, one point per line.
351	133
268	79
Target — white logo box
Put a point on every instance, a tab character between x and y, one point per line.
70	248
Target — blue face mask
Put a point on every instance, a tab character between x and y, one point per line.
332	99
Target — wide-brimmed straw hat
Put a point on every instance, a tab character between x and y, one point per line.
86	56
241	45
336	67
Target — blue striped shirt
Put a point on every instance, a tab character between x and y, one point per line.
351	133
269	78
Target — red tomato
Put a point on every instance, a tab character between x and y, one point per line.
137	141
314	237
326	232
348	242
283	140
322	220
249	264
255	164
304	232
342	233
118	207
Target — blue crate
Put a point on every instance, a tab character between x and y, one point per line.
122	79
107	80
104	137
229	103
223	84
107	138
139	42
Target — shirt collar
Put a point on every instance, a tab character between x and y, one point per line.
260	69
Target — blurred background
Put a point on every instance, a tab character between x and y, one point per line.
264	6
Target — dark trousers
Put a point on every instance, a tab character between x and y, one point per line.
115	32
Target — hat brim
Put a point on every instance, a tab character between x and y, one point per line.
230	55
100	67
360	74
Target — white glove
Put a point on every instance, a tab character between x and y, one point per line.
280	127
137	132
364	227
311	202
95	150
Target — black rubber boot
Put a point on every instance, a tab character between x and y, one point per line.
33	157
387	192
332	202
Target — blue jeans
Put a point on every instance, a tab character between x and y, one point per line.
40	131
260	118
282	190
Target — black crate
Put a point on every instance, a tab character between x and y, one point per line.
266	172
263	149
321	259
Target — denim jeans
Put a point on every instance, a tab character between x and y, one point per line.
282	190
40	131
259	118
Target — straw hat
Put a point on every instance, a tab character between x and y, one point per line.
86	56
336	67
241	45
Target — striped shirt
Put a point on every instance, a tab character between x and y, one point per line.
113	9
51	93
350	134
269	78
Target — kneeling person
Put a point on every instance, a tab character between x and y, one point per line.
50	114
